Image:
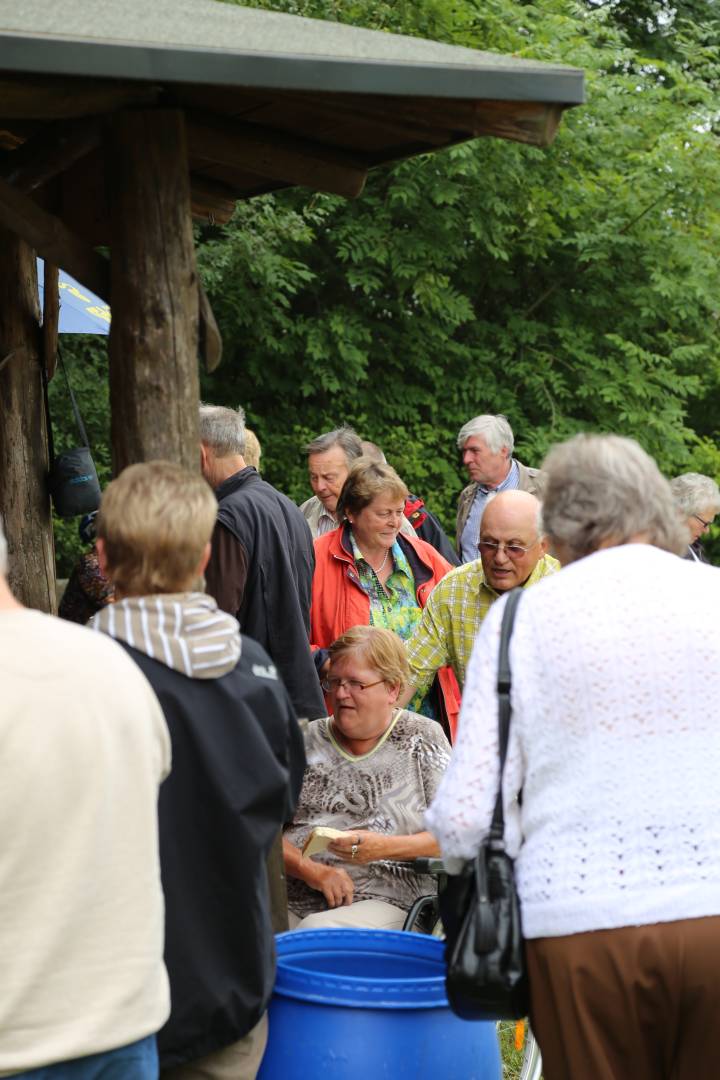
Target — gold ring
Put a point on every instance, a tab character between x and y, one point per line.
353	851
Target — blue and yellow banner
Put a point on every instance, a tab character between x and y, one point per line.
81	311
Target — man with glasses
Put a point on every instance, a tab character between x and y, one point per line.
512	552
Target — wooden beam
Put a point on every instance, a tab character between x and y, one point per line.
438	121
275	155
51	151
83	202
52	240
51	318
520	121
211	200
24	501
154	384
47	97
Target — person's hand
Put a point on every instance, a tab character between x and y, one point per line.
334	883
360	846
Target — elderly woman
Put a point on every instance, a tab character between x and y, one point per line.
698	499
372	770
615	745
368	572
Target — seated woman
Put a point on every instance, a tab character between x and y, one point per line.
372	770
368	572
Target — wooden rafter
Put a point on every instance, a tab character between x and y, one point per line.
51	151
273	154
52	239
45	97
212	200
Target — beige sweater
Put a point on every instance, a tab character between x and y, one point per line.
84	748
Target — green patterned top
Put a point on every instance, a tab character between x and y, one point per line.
394	606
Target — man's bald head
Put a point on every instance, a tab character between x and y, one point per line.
511	519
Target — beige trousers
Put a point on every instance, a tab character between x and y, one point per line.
371	914
239	1061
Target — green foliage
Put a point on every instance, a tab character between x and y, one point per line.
86	363
572	288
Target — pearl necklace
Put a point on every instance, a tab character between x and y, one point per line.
381	567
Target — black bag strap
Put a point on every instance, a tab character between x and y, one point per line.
48	420
75	408
504	682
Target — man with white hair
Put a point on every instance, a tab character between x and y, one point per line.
513	552
85	748
262	559
486	443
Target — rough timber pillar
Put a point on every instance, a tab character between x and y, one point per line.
24	502
154	388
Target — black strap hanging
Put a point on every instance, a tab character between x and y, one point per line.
72	480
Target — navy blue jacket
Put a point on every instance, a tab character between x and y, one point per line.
237	766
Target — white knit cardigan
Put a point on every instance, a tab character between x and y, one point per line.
615	743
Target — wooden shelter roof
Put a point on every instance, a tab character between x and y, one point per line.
270	100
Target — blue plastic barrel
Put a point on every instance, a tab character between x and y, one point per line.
366	1004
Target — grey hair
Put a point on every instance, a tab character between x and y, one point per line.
495	430
3	550
606	488
223	430
694	492
372	451
345	437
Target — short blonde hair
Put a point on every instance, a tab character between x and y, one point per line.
155	520
381	649
253	450
366	479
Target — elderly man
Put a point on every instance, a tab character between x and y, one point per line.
84	750
262	559
486	444
329	459
512	553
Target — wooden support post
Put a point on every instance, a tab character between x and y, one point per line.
154	387
24	502
51	318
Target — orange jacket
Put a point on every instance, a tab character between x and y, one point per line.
339	600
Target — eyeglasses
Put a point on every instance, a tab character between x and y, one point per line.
355	687
513	551
705	524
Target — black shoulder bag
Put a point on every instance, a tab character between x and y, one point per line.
73	480
485	951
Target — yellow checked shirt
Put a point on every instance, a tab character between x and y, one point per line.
451	620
